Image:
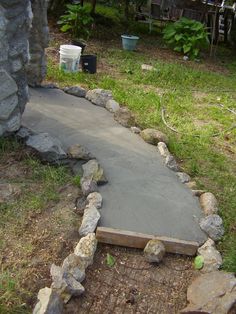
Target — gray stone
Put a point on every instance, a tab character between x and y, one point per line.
99	96
147	67
65	284
112	105
95	199
135	130
212	257
213	293
24	133
209	203
183	177
153	136
14	123
73	288
163	149
171	163
124	117
74	266
48	147
93	171
79	152
49	302
90	220
213	226
86	249
8	85
88	186
75	91
7	106
154	251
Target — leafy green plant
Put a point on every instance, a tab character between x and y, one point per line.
198	262
77	20
187	36
110	260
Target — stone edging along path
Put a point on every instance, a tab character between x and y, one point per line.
67	278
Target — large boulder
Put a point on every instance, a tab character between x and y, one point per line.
153	136
49	302
74	266
213	293
75	91
88	186
90	220
95	199
86	248
209	203
48	148
213	226
171	163
163	149
212	257
77	151
154	251
93	171
65	284
112	105
183	177
124	117
99	96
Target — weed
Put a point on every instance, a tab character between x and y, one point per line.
77	180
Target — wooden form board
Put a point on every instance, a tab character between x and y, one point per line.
139	240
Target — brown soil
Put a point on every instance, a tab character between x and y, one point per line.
31	240
133	285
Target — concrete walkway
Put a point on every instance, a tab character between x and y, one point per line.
142	194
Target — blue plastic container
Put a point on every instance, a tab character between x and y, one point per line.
129	42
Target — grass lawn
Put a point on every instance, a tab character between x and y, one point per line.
192	94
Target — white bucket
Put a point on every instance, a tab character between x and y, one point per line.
69	58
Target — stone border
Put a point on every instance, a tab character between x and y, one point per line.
67	278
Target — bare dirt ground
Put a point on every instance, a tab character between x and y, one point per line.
33	235
133	285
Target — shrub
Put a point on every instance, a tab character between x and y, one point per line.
187	36
77	20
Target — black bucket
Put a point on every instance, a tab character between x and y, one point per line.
79	44
89	63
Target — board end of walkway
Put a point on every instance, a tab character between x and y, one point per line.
139	240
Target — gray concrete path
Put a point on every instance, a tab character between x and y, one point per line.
142	194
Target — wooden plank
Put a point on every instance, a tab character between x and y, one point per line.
139	240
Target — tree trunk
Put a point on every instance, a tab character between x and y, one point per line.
94	2
57	7
126	9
